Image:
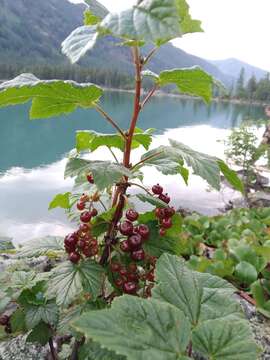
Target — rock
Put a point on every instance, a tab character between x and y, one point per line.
19	349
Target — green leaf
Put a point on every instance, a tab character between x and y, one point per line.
49	98
151	200
90	19
105	173
156	245
40	334
6	243
187	24
155	21
192	81
69	281
47	313
225	340
177	285
97	8
91	140
93	351
246	273
231	176
17	321
61	200
23	280
41	246
138	329
79	42
4	300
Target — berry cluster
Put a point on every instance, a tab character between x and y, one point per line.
136	235
164	215
81	243
5	321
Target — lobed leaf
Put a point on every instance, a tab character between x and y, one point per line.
40	334
49	98
187	24
41	246
61	200
48	313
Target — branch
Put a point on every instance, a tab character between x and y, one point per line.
149	95
146	159
113	154
150	55
142	187
110	120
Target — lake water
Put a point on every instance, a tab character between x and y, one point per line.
33	155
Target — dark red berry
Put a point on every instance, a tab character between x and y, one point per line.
123	272
90	179
167	223
144	231
126	228
162	232
132	267
80	206
70	242
157	189
135	241
4	320
124	246
74	257
160	213
84	228
132	277
165	198
115	267
81	244
130	287
132	215
150	276
119	282
87	251
138	255
170	211
94	242
94	250
94	212
85	217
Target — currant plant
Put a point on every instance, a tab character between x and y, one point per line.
167	311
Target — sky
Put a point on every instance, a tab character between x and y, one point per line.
232	28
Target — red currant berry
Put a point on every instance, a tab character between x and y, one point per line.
80	206
162	232
132	277
130	288
94	251
118	283
74	257
167	223
94	242
124	246
70	242
135	241
94	212
170	212
132	215
138	255
84	228
85	217
150	276
164	198
157	189
126	228
132	267
115	267
87	251
144	231
160	213
123	272
90	179
4	320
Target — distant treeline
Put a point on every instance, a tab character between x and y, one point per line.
106	77
252	90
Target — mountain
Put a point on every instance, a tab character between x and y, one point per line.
31	32
233	67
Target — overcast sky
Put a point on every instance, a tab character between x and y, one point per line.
233	28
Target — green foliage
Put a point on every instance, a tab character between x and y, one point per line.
40	334
61	200
6	244
49	98
41	246
90	18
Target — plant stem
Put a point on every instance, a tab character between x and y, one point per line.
110	120
113	154
53	353
190	349
76	346
148	97
142	187
150	55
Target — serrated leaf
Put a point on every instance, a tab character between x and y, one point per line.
90	19
4	300
48	313
246	273
79	42
49	98
188	25
225	340
61	200
231	176
17	321
93	351
105	173
40	334
155	21
192	81
91	140
69	281
138	329
23	280
151	200
178	286
41	246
